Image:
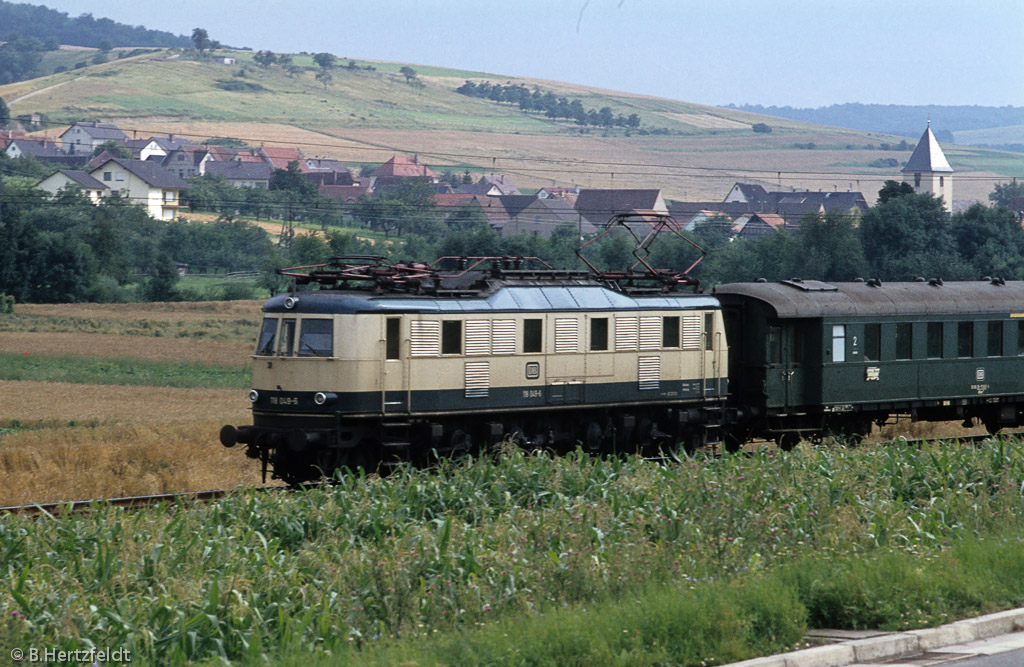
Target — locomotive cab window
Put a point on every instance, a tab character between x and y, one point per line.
316	338
268	332
287	341
598	334
451	337
533	335
391	349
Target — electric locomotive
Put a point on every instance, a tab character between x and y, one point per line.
388	363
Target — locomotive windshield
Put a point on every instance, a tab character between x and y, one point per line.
265	346
316	338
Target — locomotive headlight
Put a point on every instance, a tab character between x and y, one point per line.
324	397
291	302
253	395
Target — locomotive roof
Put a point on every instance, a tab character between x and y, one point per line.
507	299
811	299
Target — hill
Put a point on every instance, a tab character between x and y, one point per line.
973	125
368	111
49	24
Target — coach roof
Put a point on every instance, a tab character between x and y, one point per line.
505	300
810	299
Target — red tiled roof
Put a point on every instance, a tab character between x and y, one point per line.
404	167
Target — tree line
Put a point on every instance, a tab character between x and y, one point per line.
546	102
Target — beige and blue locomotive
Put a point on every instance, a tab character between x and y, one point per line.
410	365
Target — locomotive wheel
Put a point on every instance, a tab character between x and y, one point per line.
460	442
594	437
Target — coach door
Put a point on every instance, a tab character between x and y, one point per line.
394	369
784	380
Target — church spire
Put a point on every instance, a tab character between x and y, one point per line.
929	171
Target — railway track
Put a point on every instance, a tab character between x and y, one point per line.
130	502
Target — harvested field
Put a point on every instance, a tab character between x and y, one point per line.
113	346
136	458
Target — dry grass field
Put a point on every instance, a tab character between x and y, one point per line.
61	441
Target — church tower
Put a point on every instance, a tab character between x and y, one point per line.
928	171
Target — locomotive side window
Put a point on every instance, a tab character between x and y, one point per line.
599	334
287	341
670	331
839	343
451	337
965	339
533	335
903	340
391	338
316	338
934	340
709	331
995	339
872	342
265	346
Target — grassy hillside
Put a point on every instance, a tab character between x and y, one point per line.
366	115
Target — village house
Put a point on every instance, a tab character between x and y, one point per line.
543	216
400	170
242	174
279	157
83	137
325	171
73	178
34	148
600	205
144	183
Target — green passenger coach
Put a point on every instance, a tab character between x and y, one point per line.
810	358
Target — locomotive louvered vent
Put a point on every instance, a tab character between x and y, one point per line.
691	332
478	337
425	338
650	333
503	337
478	379
649	372
566	336
625	333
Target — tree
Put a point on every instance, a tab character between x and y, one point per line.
292	180
114	148
893	189
264	58
1002	195
990	241
409	73
324	77
5	113
201	39
325	60
105	45
910	236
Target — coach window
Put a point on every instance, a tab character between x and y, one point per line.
1020	338
839	343
316	338
903	340
391	329
533	335
598	334
934	340
965	339
670	331
451	337
995	339
265	346
285	345
872	342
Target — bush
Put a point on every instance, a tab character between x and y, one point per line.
761	128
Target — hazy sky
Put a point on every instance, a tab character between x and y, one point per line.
772	52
